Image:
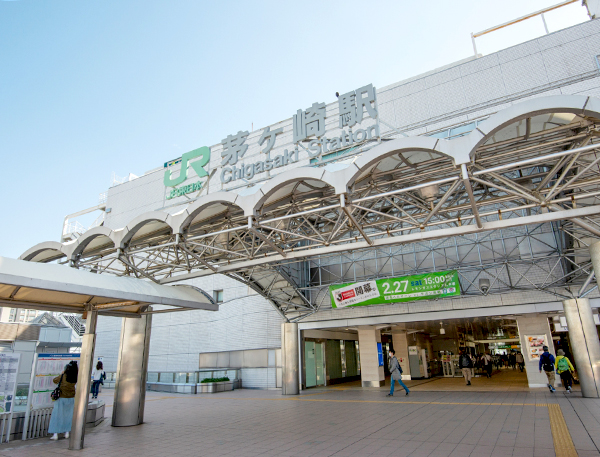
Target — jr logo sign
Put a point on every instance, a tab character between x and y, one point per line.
203	156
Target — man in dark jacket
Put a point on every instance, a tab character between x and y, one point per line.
465	363
396	373
547	364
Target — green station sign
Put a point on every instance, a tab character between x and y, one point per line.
394	290
197	160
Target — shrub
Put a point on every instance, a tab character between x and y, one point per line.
214	380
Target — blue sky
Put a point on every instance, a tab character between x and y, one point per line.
88	88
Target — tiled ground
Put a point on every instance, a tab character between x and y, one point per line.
343	421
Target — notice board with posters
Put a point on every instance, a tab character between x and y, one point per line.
426	286
47	367
9	369
535	345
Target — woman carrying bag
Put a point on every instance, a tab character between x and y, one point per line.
62	414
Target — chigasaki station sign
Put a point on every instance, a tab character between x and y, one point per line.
309	137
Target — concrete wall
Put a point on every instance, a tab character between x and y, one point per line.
528	326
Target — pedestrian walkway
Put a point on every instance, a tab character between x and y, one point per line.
504	380
351	422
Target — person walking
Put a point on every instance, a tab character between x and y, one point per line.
547	364
486	361
62	414
565	370
465	363
396	373
98	377
512	361
520	361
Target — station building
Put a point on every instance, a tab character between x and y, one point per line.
484	171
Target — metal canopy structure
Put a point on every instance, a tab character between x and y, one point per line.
524	172
56	288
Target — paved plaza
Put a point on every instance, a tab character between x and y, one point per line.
440	417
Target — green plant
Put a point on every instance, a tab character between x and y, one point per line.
214	380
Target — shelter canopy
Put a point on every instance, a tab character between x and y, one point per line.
58	288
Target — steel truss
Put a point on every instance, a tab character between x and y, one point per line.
529	184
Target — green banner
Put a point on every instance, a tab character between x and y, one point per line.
394	290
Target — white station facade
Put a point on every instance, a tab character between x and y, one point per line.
457	208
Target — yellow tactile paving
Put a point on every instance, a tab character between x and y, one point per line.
563	444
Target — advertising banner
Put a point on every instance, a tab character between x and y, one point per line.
535	346
394	290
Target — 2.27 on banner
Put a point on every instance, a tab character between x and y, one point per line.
393	290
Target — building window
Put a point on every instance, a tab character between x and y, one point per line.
218	296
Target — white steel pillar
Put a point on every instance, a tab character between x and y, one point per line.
400	340
585	344
290	362
86	360
371	374
534	325
132	370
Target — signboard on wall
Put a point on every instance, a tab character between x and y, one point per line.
394	290
535	346
9	369
48	367
380	354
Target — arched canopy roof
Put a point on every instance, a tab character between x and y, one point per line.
46	251
144	225
414	150
507	123
300	180
93	239
205	208
542	109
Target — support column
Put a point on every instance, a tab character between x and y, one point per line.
585	344
534	325
371	374
86	360
132	370
290	361
399	338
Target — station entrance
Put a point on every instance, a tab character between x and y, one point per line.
430	350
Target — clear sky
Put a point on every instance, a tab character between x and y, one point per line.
88	88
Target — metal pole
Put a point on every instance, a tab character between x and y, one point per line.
86	360
584	341
545	25
289	358
474	46
29	399
130	388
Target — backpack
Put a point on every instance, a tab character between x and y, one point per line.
547	363
465	361
563	364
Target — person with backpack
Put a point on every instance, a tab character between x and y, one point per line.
396	373
547	364
564	368
465	363
520	361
